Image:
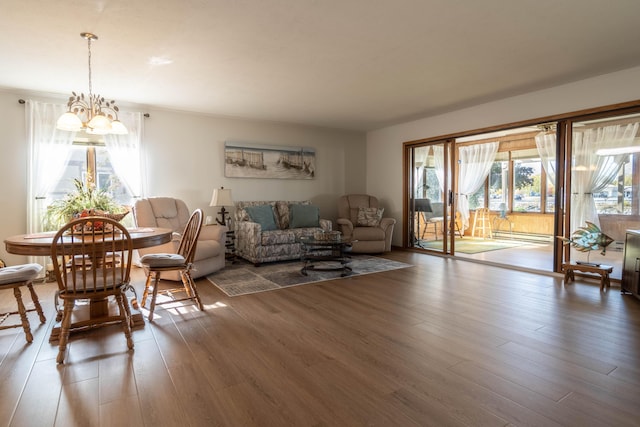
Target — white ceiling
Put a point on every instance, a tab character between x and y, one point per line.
351	64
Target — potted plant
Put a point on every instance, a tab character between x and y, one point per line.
80	202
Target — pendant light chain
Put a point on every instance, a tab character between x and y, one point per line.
91	105
90	87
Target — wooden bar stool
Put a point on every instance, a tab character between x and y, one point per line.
482	222
14	278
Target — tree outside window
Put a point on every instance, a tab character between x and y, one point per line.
499	182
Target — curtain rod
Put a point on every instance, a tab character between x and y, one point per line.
22	101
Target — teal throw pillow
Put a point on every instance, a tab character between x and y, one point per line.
301	216
263	215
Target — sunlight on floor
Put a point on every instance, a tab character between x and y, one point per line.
539	256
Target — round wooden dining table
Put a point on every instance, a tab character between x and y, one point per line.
39	244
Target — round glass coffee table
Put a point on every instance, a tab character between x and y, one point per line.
325	255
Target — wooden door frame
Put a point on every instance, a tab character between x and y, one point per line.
563	155
407	180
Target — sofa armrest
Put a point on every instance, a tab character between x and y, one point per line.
346	226
248	228
385	223
326	224
213	232
248	239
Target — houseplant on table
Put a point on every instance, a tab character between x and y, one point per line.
83	201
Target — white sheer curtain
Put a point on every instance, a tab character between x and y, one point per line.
419	163
474	165
590	172
125	153
547	143
438	160
49	152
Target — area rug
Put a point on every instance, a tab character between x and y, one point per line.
242	278
473	246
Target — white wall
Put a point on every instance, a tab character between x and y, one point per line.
384	146
184	157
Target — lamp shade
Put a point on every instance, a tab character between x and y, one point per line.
100	125
118	128
69	122
221	197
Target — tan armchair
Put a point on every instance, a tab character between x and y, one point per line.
360	218
167	212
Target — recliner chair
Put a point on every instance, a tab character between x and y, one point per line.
167	212
360	218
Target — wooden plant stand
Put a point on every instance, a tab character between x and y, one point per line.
603	270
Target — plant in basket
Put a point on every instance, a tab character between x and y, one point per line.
89	226
82	202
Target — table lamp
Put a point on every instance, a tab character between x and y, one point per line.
222	197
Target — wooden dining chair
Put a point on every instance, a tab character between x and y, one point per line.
91	241
15	277
181	261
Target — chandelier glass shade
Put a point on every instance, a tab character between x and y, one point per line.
93	113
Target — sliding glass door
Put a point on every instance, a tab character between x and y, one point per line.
430	200
529	186
604	186
502	205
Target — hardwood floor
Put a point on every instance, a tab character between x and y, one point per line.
539	256
445	342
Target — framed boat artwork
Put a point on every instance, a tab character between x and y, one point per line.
248	160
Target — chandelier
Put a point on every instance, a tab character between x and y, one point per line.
92	114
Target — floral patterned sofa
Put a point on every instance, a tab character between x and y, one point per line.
267	231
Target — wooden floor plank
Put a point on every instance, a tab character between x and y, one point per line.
42	391
79	404
547	409
601	411
157	395
16	379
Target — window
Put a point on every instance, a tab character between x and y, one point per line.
476	200
56	158
515	181
550	196
92	164
616	198
499	183
604	171
527	176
